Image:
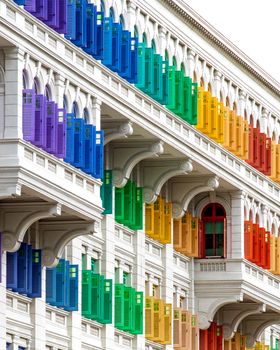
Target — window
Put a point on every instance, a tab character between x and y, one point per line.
214	225
84	261
8	346
93	264
126	279
156	292
75	109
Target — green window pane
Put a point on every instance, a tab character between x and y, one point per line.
219	227
209	228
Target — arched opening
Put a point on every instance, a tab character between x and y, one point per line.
251	120
75	109
234	107
194	77
48	93
201	83
86	116
258	124
36	86
214	231
210	88
227	102
257	221
65	103
25	79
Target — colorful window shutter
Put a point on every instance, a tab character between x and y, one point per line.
171	104
97	296
119	306
107	302
167	327
107	192
117	48
107	42
177	234
149	318
119	204
28	114
36	287
165	83
133	78
129	195
126	47
86	293
138	209
69	158
157	94
12	270
79	144
194	104
158	320
40	121
62	280
99	35
30	5
149	219
51	285
81	24
137	321
90	149
62	17
71	303
166	227
129	297
22	268
177	331
61	133
99	168
51	125
248	239
179	93
149	71
71	20
141	65
91	32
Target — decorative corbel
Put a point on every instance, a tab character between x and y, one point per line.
121	131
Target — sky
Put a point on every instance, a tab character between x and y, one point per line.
252	25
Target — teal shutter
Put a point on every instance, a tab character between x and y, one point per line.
107	302
97	288
86	293
187	115
141	65
194	103
119	205
179	92
138	209
129	296
137	320
171	88
165	83
149	71
107	192
158	91
119	306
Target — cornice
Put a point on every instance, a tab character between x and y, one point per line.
222	43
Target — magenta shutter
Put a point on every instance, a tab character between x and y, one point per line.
28	114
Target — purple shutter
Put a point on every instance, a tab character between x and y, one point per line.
28	114
51	125
62	17
40	121
41	10
61	133
30	5
51	21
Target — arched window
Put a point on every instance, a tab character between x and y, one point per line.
24	79
48	93
65	103
36	86
86	116
214	228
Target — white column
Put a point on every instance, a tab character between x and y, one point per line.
38	318
3	304
264	120
131	7
191	64
13	92
241	104
59	82
95	115
74	255
217	84
108	269
235	236
2	109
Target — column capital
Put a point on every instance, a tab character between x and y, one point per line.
217	75
264	113
191	54
242	95
14	52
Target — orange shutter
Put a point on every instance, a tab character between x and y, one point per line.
177	233
149	318
149	219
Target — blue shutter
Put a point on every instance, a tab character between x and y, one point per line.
36	289
81	24
90	29
29	270
72	290
40	121
125	70
90	149
61	133
99	169
61	283
11	282
71	20
41	10
62	17
51	285
134	60
107	58
99	35
70	138
22	269
51	125
116	48
30	5
79	145
20	2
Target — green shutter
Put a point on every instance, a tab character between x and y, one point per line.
119	205
93	265
137	320
187	115
129	296
107	192
138	210
194	103
86	293
171	88
84	261
97	288
165	83
149	71
129	195
119	306
179	93
141	65
158	91
107	302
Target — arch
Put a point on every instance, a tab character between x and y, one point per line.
234	107
75	109
214	230
86	116
65	103
209	88
25	79
48	92
194	77
201	83
36	85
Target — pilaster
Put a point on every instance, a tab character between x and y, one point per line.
235	237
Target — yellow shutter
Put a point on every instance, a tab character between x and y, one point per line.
177	234
201	117
221	123
158	211
149	317
167	324
273	161
235	342
158	320
149	219
239	136
207	113
186	331
277	257
233	132
226	128
177	330
195	332
227	345
214	117
243	342
167	218
278	163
